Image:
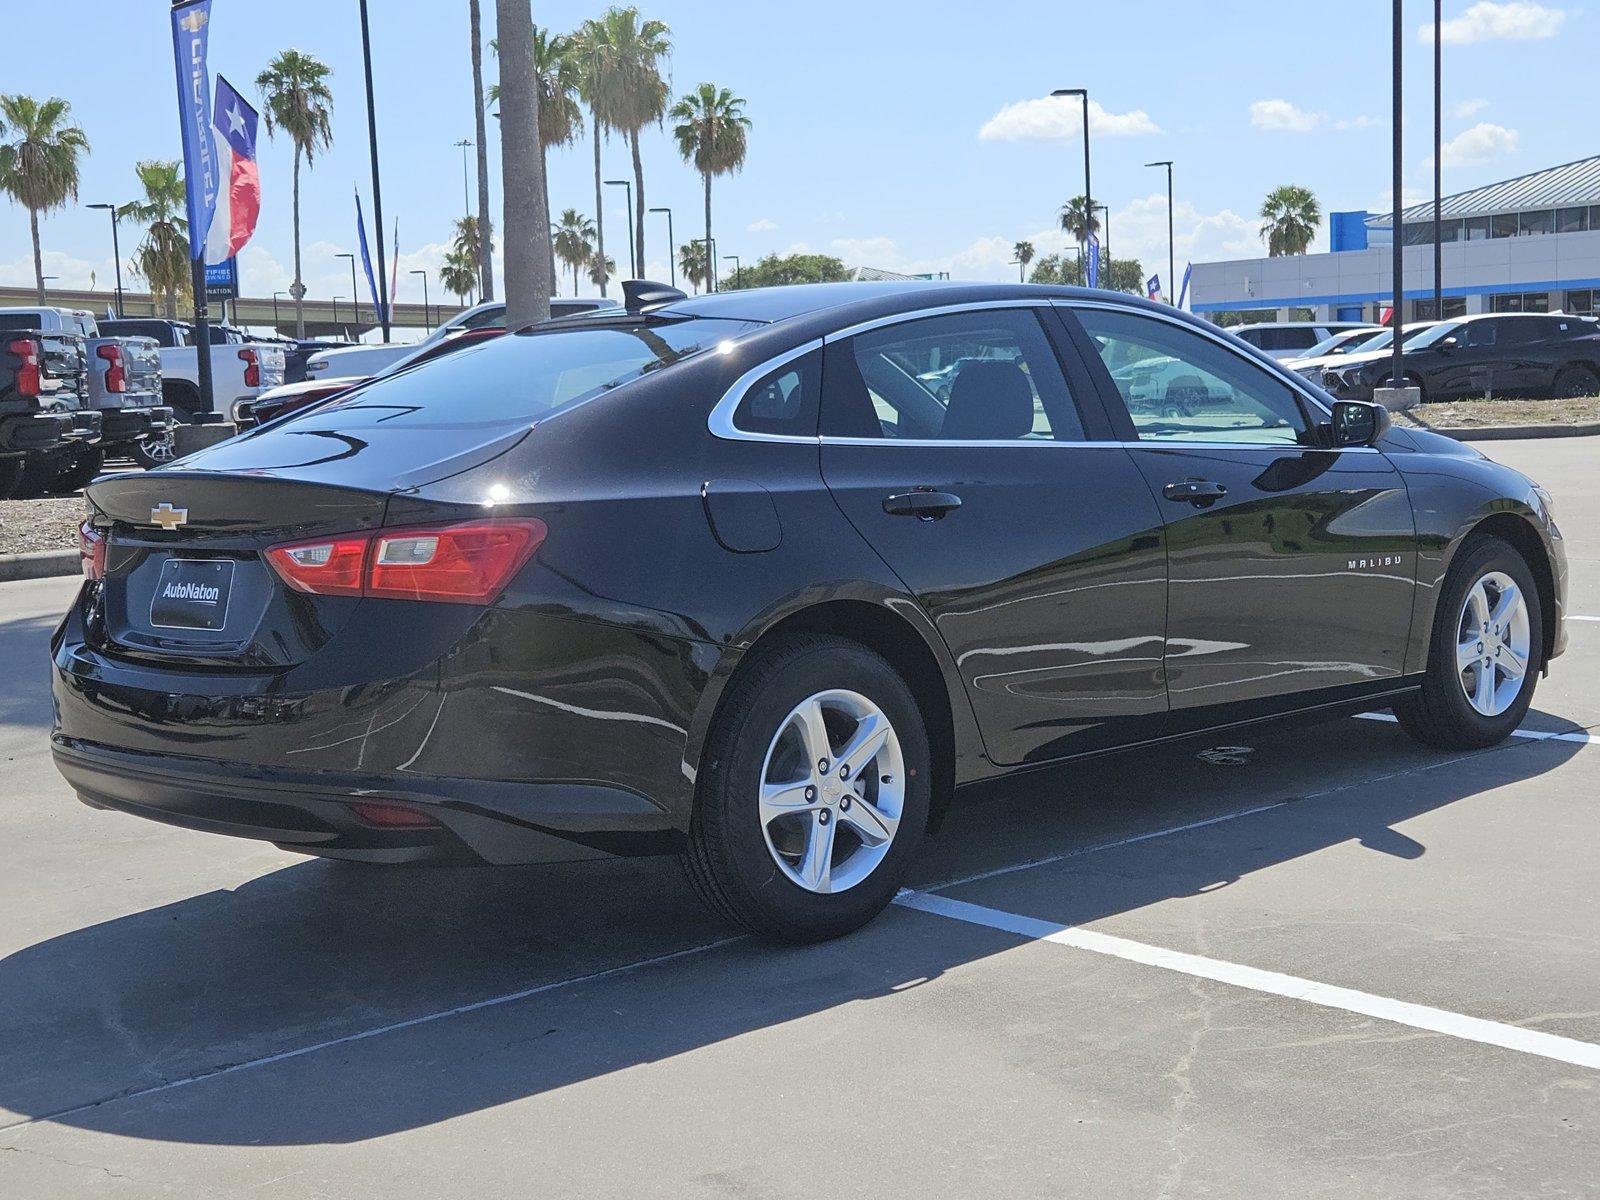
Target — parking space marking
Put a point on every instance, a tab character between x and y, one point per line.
1399	1012
1538	735
1576	617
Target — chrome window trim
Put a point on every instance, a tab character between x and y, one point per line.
720	420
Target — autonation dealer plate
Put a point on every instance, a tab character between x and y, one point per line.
192	593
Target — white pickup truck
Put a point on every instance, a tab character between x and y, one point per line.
240	369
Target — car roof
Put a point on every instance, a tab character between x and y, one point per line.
1335	326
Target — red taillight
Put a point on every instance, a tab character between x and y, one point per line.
457	564
92	551
391	816
252	367
116	373
328	567
27	351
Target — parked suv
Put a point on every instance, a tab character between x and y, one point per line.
1291	339
1500	354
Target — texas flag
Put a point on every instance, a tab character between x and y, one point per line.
1152	287
239	198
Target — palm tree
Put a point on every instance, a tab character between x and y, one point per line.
692	262
1077	220
1024	252
466	240
39	170
574	242
163	257
1290	217
459	272
556	72
485	252
294	88
598	276
528	257
712	130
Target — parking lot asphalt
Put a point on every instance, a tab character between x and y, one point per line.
1308	962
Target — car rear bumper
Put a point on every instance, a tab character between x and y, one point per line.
32	433
135	424
316	812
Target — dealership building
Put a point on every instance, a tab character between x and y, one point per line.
1530	244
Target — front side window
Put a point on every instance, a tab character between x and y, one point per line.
1483	333
1179	386
972	376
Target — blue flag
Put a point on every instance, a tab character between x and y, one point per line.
1092	252
1183	292
190	36
366	262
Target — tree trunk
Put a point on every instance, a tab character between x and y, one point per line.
638	203
298	289
527	217
38	261
544	174
599	207
485	230
711	262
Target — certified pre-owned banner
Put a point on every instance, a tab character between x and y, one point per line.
190	33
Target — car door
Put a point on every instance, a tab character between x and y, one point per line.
1474	365
955	443
1290	564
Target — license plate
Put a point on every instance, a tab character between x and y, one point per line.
192	593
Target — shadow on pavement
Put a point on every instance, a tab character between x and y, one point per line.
316	951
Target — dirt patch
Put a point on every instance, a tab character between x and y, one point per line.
1487	414
27	525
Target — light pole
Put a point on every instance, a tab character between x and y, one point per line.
633	258
466	196
427	326
377	188
1088	192
116	251
1105	228
1017	262
1172	258
672	246
355	291
1438	225
275	296
738	274
336	300
710	260
1397	258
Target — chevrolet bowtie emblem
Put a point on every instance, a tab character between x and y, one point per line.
167	517
193	22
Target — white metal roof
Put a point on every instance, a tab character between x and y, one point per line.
1554	187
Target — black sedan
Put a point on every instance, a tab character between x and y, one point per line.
761	578
1504	354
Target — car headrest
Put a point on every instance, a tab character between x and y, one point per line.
989	401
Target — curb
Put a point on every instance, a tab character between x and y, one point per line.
39	564
1510	433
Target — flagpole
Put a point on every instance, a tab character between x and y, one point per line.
372	136
197	267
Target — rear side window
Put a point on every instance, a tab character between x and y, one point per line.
979	376
784	401
1283	339
523	376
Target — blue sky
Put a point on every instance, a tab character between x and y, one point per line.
892	134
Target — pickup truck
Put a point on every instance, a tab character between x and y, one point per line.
240	369
46	430
123	377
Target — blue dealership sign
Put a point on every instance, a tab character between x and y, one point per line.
222	280
191	24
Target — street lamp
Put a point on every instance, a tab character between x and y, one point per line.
672	245
1105	228
1088	194
1172	258
1017	263
633	258
738	275
355	291
466	196
275	296
380	308
336	300
1397	371
1438	229
427	327
711	260
116	251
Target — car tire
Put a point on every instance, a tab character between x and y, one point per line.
1454	709
156	452
1572	382
77	473
1422	388
777	844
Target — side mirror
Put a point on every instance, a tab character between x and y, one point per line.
1448	344
1357	423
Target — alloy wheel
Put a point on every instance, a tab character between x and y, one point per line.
1493	643
832	791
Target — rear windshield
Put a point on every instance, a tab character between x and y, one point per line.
16	321
527	375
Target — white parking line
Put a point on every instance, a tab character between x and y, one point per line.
1399	1012
1576	617
1538	735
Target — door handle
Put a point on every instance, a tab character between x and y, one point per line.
1199	492
927	504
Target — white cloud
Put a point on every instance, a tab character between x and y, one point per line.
1053	118
69	271
1486	21
1469	108
1357	123
1482	143
764	225
1284	117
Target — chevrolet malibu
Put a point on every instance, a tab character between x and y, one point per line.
760	578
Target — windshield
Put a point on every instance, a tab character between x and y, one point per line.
1342	343
1431	334
523	376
